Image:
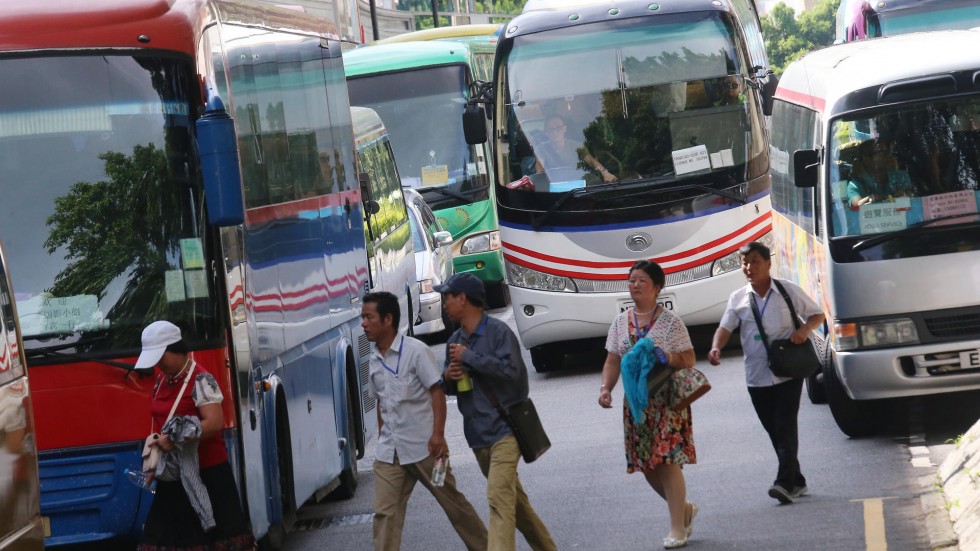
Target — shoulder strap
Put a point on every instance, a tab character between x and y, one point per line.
792	310
180	394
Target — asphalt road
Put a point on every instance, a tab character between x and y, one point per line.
864	493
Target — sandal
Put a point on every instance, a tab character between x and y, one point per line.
690	520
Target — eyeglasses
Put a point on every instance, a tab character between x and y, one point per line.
554	128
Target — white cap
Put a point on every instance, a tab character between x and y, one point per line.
156	337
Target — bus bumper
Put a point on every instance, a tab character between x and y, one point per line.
488	266
543	317
908	371
85	495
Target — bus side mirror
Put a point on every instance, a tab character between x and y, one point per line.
806	163
370	205
475	124
217	148
769	92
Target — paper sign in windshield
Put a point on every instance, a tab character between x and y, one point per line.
435	175
949	204
885	217
691	159
192	253
43	315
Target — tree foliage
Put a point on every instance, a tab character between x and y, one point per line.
789	37
424	8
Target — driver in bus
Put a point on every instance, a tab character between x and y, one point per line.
559	153
876	176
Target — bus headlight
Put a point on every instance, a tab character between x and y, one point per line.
481	243
519	276
896	331
725	264
850	336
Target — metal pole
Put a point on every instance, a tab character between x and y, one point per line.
435	15
374	20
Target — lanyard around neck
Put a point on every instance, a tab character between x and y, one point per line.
762	311
640	333
398	364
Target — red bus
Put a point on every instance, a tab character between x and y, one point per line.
116	216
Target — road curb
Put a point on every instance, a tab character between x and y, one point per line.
959	477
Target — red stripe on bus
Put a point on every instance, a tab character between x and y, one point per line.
613	277
292	209
801	98
627	263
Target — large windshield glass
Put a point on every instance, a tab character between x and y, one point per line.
935	17
421	110
101	210
647	98
903	169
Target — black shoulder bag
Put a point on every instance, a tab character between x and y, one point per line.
796	361
523	420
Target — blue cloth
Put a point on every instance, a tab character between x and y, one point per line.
636	367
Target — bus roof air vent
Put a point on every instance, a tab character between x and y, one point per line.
917	88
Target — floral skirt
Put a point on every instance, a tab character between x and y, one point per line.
664	435
172	524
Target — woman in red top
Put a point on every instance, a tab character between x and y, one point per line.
172	523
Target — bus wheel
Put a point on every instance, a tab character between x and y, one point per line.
496	295
815	388
547	358
349	476
855	418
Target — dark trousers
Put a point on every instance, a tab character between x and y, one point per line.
777	407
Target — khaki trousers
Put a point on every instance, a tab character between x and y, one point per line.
393	485
509	505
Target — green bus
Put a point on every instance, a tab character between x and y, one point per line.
420	88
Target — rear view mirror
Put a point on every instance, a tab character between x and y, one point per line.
806	163
769	92
475	124
443	238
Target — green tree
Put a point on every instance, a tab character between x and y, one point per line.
789	37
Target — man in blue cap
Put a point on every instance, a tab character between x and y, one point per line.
486	352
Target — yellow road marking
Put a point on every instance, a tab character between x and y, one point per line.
874	523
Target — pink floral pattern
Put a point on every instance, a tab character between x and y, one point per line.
665	436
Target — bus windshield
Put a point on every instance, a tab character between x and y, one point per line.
655	99
102	206
913	171
420	108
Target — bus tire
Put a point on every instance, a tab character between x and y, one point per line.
349	476
546	358
273	540
815	386
855	418
496	295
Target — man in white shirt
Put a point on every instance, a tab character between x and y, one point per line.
405	378
776	399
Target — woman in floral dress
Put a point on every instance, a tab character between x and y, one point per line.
661	442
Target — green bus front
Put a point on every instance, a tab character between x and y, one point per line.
420	89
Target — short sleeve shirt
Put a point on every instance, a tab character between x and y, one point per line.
775	318
201	391
401	380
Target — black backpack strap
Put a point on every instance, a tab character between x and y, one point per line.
789	303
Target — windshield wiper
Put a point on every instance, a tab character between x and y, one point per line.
457	194
727	194
883	237
55	352
537	222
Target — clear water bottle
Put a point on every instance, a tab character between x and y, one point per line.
439	472
141	479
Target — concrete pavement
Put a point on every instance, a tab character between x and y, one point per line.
951	497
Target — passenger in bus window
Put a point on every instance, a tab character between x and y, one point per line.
876	175
215	520
730	91
559	154
405	377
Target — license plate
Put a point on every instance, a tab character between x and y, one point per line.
667	301
970	359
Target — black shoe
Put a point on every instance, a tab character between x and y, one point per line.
778	492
